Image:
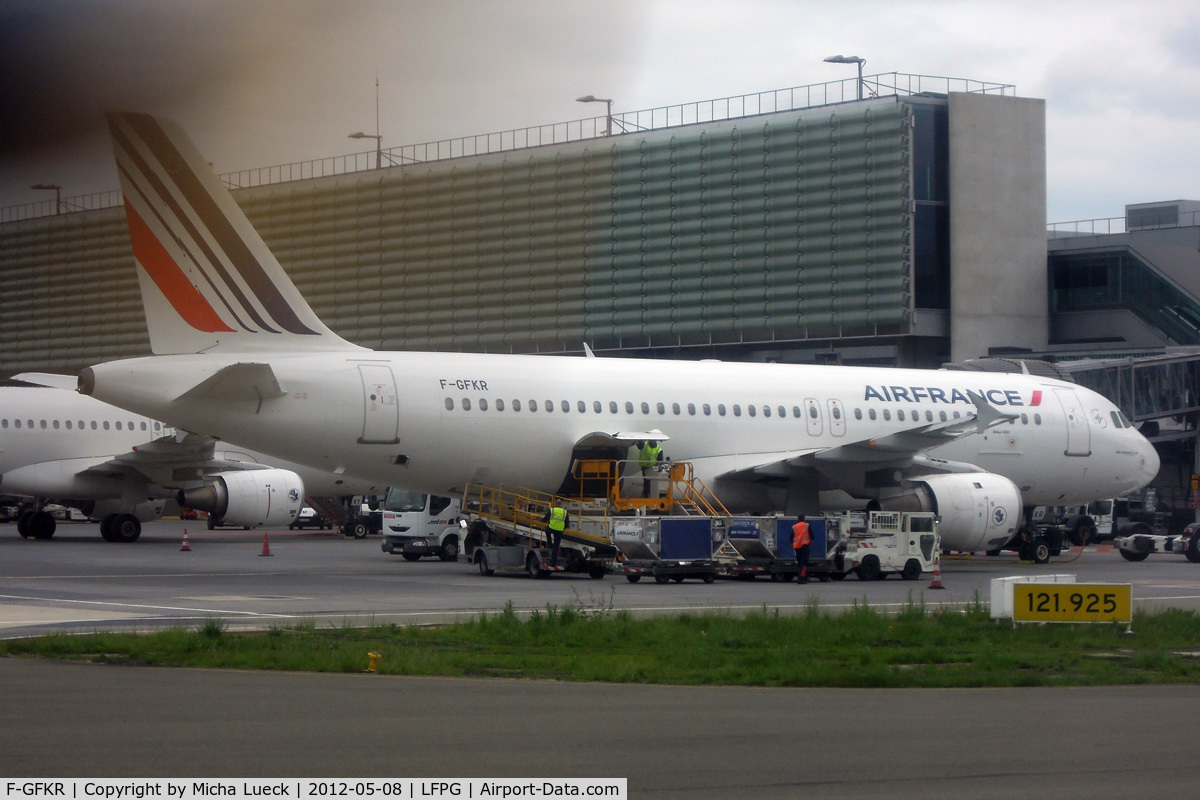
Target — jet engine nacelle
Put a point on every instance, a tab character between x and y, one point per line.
258	497
976	510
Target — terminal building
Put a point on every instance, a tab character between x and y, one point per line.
896	221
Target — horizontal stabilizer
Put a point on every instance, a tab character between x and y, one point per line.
241	381
53	380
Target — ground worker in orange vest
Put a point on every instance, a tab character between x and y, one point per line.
801	539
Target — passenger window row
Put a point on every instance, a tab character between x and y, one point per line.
915	415
613	407
705	409
79	425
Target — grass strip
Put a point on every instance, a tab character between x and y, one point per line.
859	648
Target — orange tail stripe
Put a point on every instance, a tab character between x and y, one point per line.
169	278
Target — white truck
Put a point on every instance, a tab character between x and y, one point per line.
883	543
1099	520
415	525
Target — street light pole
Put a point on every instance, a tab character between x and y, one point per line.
57	194
839	59
378	145
376	136
591	98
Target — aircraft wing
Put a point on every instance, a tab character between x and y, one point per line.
900	450
172	461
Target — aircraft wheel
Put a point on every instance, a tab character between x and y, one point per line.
41	525
212	522
23	524
125	528
1039	551
869	569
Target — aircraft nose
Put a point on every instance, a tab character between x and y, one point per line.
1149	459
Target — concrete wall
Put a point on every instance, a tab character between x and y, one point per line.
998	291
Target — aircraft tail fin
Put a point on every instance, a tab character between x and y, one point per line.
207	279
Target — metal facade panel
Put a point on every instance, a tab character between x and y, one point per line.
769	226
786	226
70	292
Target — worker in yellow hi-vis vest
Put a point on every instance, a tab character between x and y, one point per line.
556	522
649	457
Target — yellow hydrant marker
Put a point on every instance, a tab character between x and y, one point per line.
374	660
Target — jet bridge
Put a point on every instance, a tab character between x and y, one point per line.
1145	388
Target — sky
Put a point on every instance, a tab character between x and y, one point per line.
264	82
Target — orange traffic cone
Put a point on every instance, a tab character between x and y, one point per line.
937	573
266	551
187	548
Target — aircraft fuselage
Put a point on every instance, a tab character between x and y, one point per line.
436	421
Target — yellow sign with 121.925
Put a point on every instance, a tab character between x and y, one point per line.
1073	602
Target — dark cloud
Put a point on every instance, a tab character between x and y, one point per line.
64	63
260	82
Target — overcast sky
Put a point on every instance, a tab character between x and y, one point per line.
261	82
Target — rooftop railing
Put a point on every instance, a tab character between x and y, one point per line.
1107	225
726	108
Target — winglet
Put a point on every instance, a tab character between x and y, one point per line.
986	414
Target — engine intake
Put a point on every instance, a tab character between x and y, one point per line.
259	497
976	510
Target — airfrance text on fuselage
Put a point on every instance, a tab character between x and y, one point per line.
935	394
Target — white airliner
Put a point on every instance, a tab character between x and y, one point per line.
56	444
241	356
